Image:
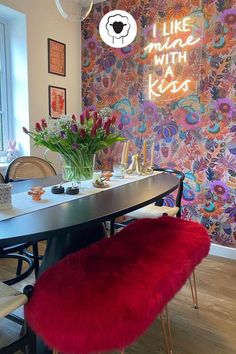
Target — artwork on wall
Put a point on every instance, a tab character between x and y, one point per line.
56	57
57	101
194	133
169	51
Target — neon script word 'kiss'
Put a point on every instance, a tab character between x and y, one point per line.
173	49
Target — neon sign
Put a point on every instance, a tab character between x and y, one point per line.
169	49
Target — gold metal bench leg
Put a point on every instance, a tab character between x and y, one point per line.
122	352
193	287
55	352
166	329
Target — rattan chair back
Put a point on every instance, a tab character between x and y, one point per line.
181	177
11	300
27	167
2	178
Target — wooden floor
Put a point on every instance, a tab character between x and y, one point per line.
209	330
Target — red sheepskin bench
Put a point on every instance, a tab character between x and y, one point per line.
105	296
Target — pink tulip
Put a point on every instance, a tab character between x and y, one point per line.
113	119
82	133
93	131
38	127
86	114
105	125
82	119
73	117
75	146
99	122
120	126
108	123
74	128
44	123
95	117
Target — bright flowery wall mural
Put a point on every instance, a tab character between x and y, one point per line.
196	132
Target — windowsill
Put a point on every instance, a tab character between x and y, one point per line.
4	164
3	167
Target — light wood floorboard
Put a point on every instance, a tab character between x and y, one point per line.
209	330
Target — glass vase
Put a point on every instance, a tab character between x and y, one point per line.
79	168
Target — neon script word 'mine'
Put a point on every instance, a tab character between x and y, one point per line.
157	87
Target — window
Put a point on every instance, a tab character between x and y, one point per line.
3	90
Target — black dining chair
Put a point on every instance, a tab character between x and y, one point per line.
16	252
158	208
27	167
22	168
10	300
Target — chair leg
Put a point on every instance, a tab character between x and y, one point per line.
31	345
19	264
193	287
36	258
166	329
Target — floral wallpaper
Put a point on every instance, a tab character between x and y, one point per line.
195	133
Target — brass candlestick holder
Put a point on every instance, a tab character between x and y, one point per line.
138	167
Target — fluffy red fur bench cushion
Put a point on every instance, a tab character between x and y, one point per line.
103	297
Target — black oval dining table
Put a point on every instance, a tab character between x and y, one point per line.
72	225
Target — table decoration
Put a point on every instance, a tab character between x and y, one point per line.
58	189
77	140
72	190
139	164
101	183
144	152
119	170
5	196
135	166
36	193
24	205
152	154
107	175
139	167
125	153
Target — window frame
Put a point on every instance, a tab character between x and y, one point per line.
5	80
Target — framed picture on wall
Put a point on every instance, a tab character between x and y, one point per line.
56	57
57	101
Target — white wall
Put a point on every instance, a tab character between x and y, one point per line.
43	21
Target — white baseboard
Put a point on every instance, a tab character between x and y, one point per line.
222	251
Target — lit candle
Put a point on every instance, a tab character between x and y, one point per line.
152	155
144	152
123	153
